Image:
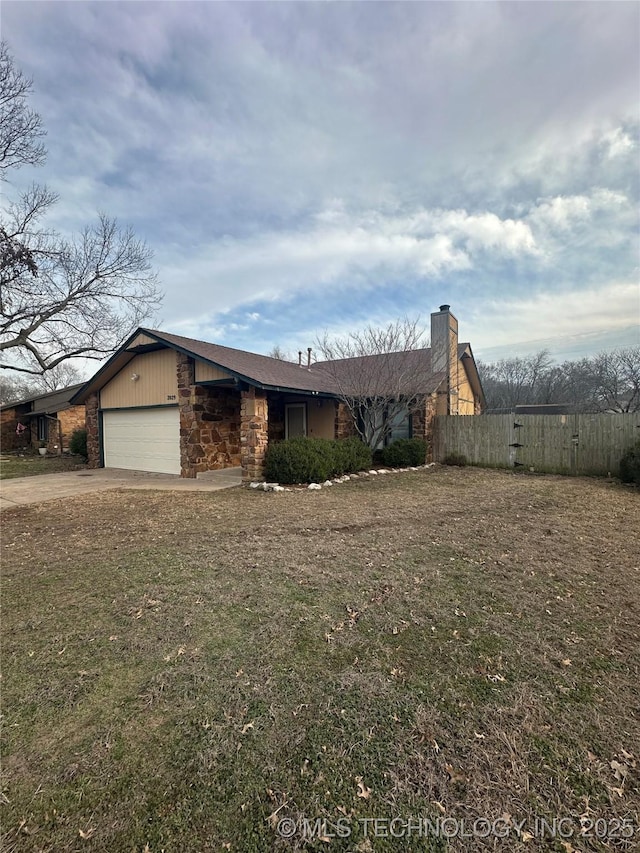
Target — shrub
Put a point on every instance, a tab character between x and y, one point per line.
312	460
458	459
630	465
351	455
405	453
78	443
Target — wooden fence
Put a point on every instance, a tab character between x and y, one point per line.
557	444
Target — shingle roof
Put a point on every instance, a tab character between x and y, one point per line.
52	401
325	377
260	369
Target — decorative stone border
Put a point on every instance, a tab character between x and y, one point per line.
314	487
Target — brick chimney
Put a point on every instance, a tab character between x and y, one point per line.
444	355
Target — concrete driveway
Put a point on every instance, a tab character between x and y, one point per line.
48	487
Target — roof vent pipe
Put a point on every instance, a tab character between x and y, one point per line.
309	356
299	358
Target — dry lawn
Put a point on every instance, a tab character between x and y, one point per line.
183	671
32	464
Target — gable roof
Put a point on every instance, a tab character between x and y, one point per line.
265	372
51	401
262	370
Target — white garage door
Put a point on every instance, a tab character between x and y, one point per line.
142	440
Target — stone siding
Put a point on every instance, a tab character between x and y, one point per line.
254	429
344	425
422	422
93	433
209	423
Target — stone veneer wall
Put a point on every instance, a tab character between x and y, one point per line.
69	420
254	432
185	370
344	425
422	423
209	423
91	425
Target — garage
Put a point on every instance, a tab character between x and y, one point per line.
142	439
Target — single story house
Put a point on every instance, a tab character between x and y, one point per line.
170	404
42	420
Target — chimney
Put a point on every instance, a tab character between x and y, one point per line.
309	350
444	355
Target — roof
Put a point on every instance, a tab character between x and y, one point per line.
265	372
51	401
257	369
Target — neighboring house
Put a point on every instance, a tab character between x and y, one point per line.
175	405
42	420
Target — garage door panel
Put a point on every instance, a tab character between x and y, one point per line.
142	440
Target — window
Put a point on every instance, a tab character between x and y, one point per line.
371	424
400	426
295	421
43	429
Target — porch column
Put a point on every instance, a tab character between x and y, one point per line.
254	432
93	434
344	425
185	370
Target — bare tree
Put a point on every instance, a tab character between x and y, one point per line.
607	382
14	388
20	127
61	376
617	380
60	297
511	381
281	354
377	375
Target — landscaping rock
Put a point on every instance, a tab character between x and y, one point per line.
314	486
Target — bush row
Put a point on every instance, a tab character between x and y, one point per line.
405	453
312	460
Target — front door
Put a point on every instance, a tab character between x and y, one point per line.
295	420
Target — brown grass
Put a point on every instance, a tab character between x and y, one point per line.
184	670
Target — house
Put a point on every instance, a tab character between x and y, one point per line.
42	420
171	404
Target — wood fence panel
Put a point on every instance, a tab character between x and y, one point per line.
560	444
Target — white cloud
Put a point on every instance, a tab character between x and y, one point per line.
552	315
618	143
269	151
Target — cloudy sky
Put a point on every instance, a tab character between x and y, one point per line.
298	167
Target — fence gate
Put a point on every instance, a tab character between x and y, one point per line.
545	443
